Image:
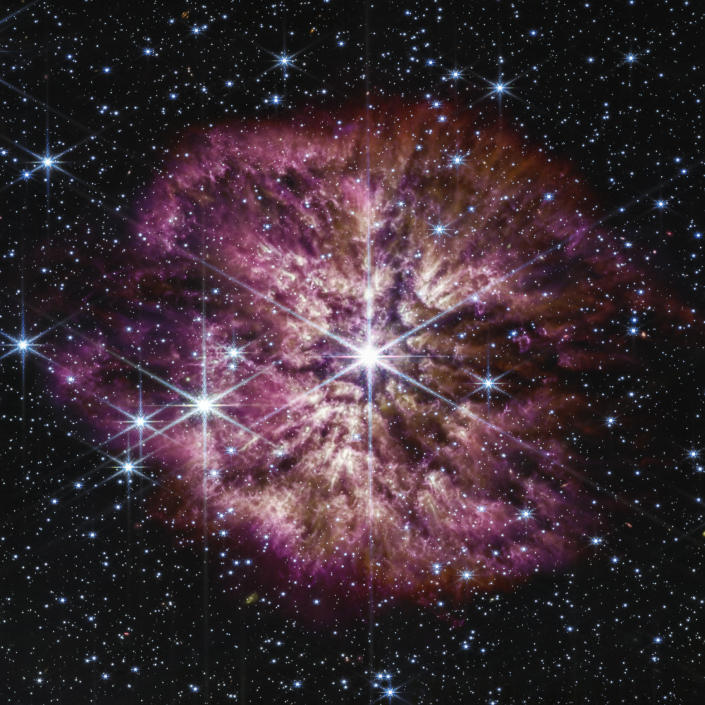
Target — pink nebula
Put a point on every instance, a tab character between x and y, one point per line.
268	256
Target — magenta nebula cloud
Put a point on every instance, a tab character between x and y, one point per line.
358	343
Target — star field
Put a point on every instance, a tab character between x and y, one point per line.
190	356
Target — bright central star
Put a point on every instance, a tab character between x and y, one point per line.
368	356
204	405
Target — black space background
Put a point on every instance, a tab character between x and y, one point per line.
118	618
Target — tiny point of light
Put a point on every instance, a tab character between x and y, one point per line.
439	229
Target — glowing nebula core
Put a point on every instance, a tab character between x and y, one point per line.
260	255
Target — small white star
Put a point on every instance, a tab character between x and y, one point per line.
439	229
